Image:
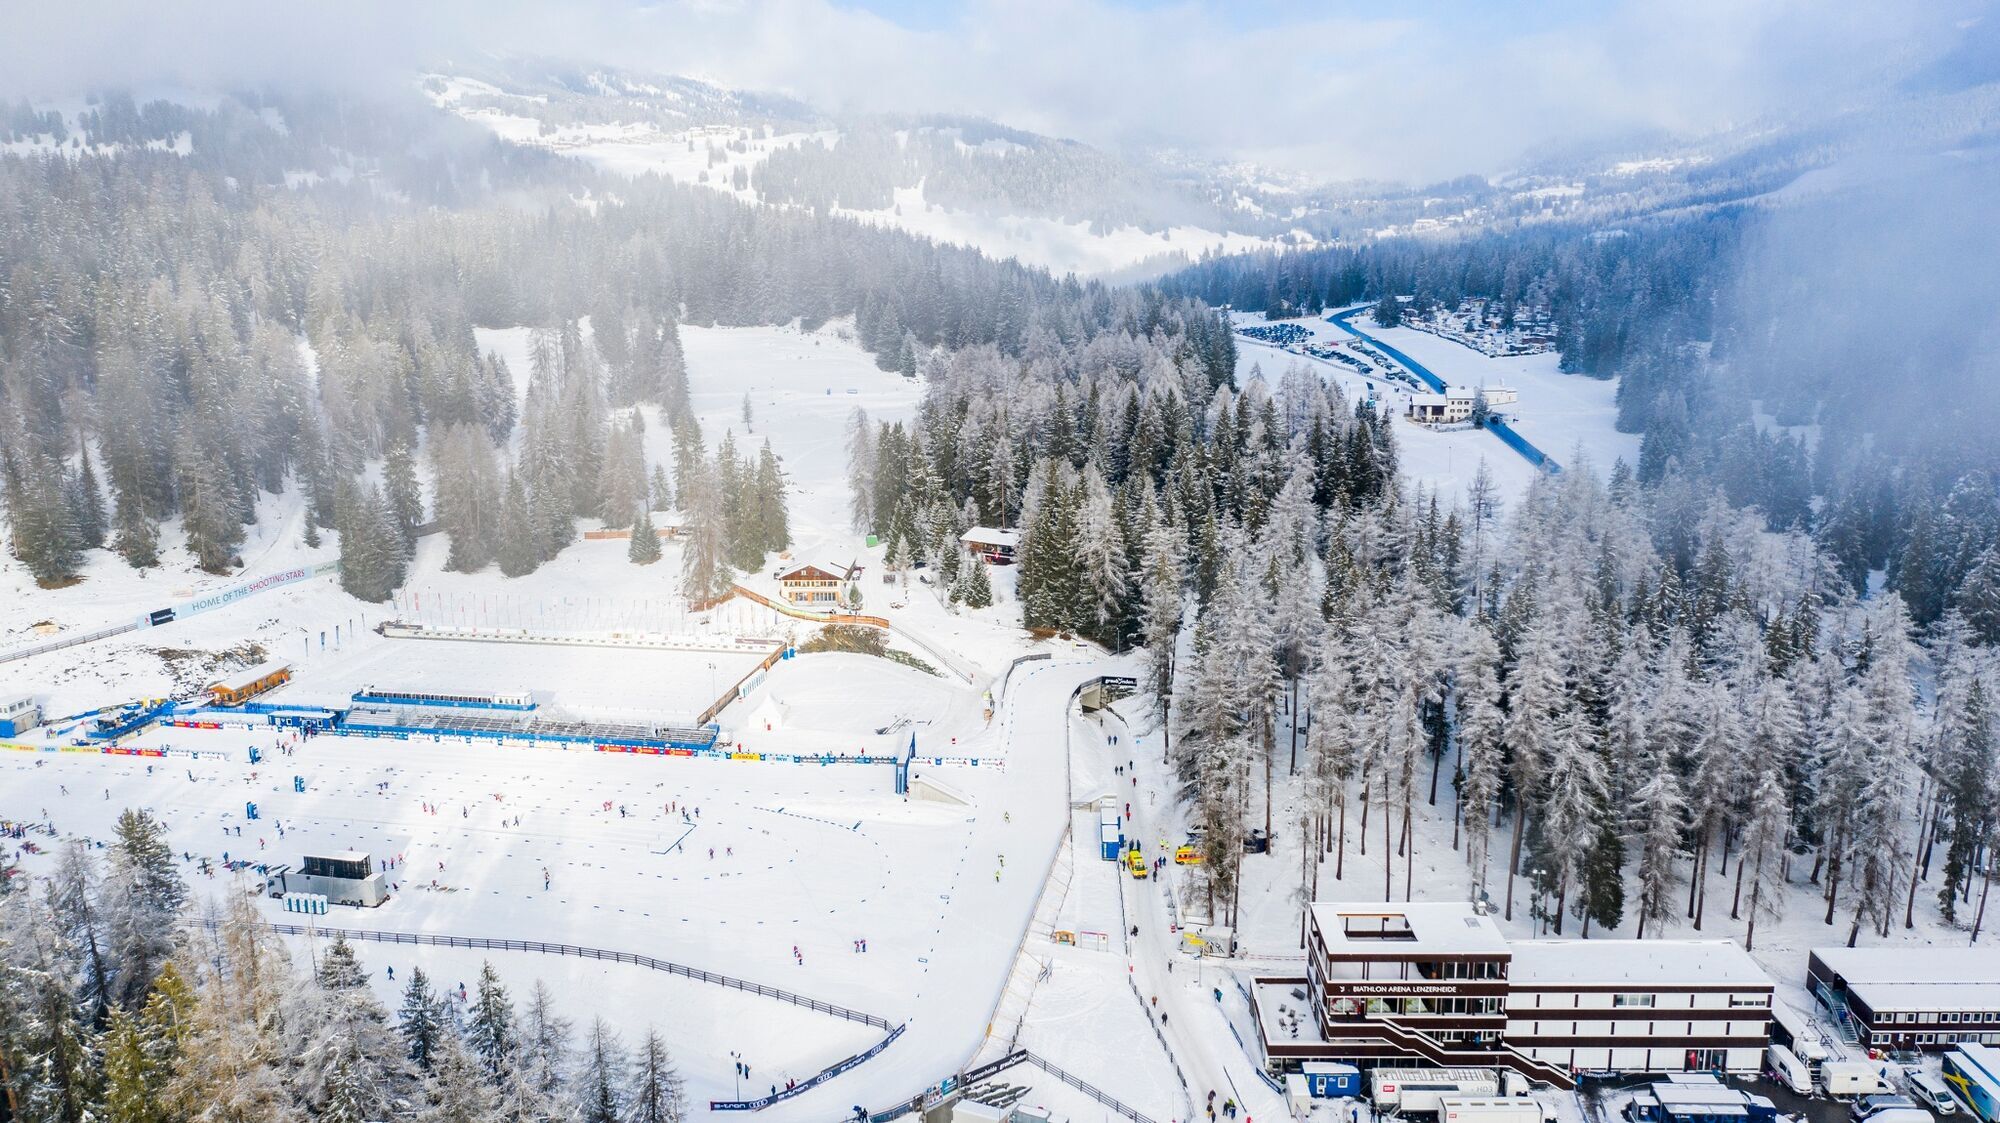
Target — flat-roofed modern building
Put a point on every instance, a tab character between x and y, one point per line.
1438	984
1909	998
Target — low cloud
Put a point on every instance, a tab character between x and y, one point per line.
1401	95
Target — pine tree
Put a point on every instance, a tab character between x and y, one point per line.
545	1043
860	470
490	1030
662	490
48	1061
1978	597
1661	812
1099	550
978	591
89	516
456	1091
135	537
774	523
340	968
403	495
1164	603
421	1022
600	1081
1481	747
645	548
1764	838
210	512
143	899
705	571
517	552
1966	778
658	1093
73	895
134	1083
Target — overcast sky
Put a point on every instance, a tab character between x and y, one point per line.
1403	90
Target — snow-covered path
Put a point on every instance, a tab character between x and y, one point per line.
982	917
1195	1026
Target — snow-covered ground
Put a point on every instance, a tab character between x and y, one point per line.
683	156
1440	460
1126	252
1560	413
806	856
604	682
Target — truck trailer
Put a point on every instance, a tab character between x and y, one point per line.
1417	1091
1849	1079
1492	1109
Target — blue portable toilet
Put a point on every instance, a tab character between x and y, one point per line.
249	811
1326	1080
256	756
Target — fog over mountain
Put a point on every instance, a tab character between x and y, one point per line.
636	561
1347	91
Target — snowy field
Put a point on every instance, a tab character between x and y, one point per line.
1443	461
595	681
1126	253
1561	413
807	856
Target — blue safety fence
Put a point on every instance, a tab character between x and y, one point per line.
680	741
1339	320
1522	445
811	1082
441	701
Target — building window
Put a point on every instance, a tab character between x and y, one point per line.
1624	1000
1749	1000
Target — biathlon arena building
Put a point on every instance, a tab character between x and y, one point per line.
1437	985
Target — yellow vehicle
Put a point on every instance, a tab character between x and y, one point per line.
1187	856
1135	860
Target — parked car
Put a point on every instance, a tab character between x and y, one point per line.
1868	1106
1930	1090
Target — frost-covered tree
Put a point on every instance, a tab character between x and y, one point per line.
1660	812
659	1094
601	1077
422	1021
143	898
1481	746
489	1029
1100	552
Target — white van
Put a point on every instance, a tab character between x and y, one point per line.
1929	1089
1786	1068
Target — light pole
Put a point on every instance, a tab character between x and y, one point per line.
738	1058
711	680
